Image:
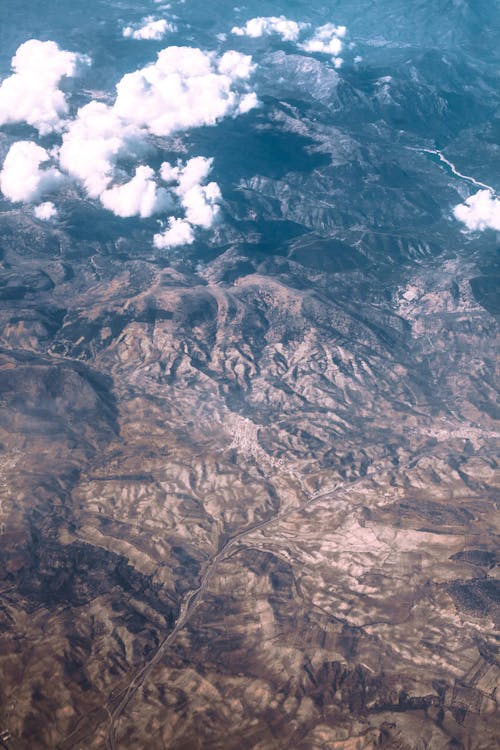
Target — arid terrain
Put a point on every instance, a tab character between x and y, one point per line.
248	503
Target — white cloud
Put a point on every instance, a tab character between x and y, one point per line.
235	65
265	26
200	204
45	211
199	201
22	179
194	172
184	89
139	197
32	93
480	211
149	28
326	40
180	232
94	141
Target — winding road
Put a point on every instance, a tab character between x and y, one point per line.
193	597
